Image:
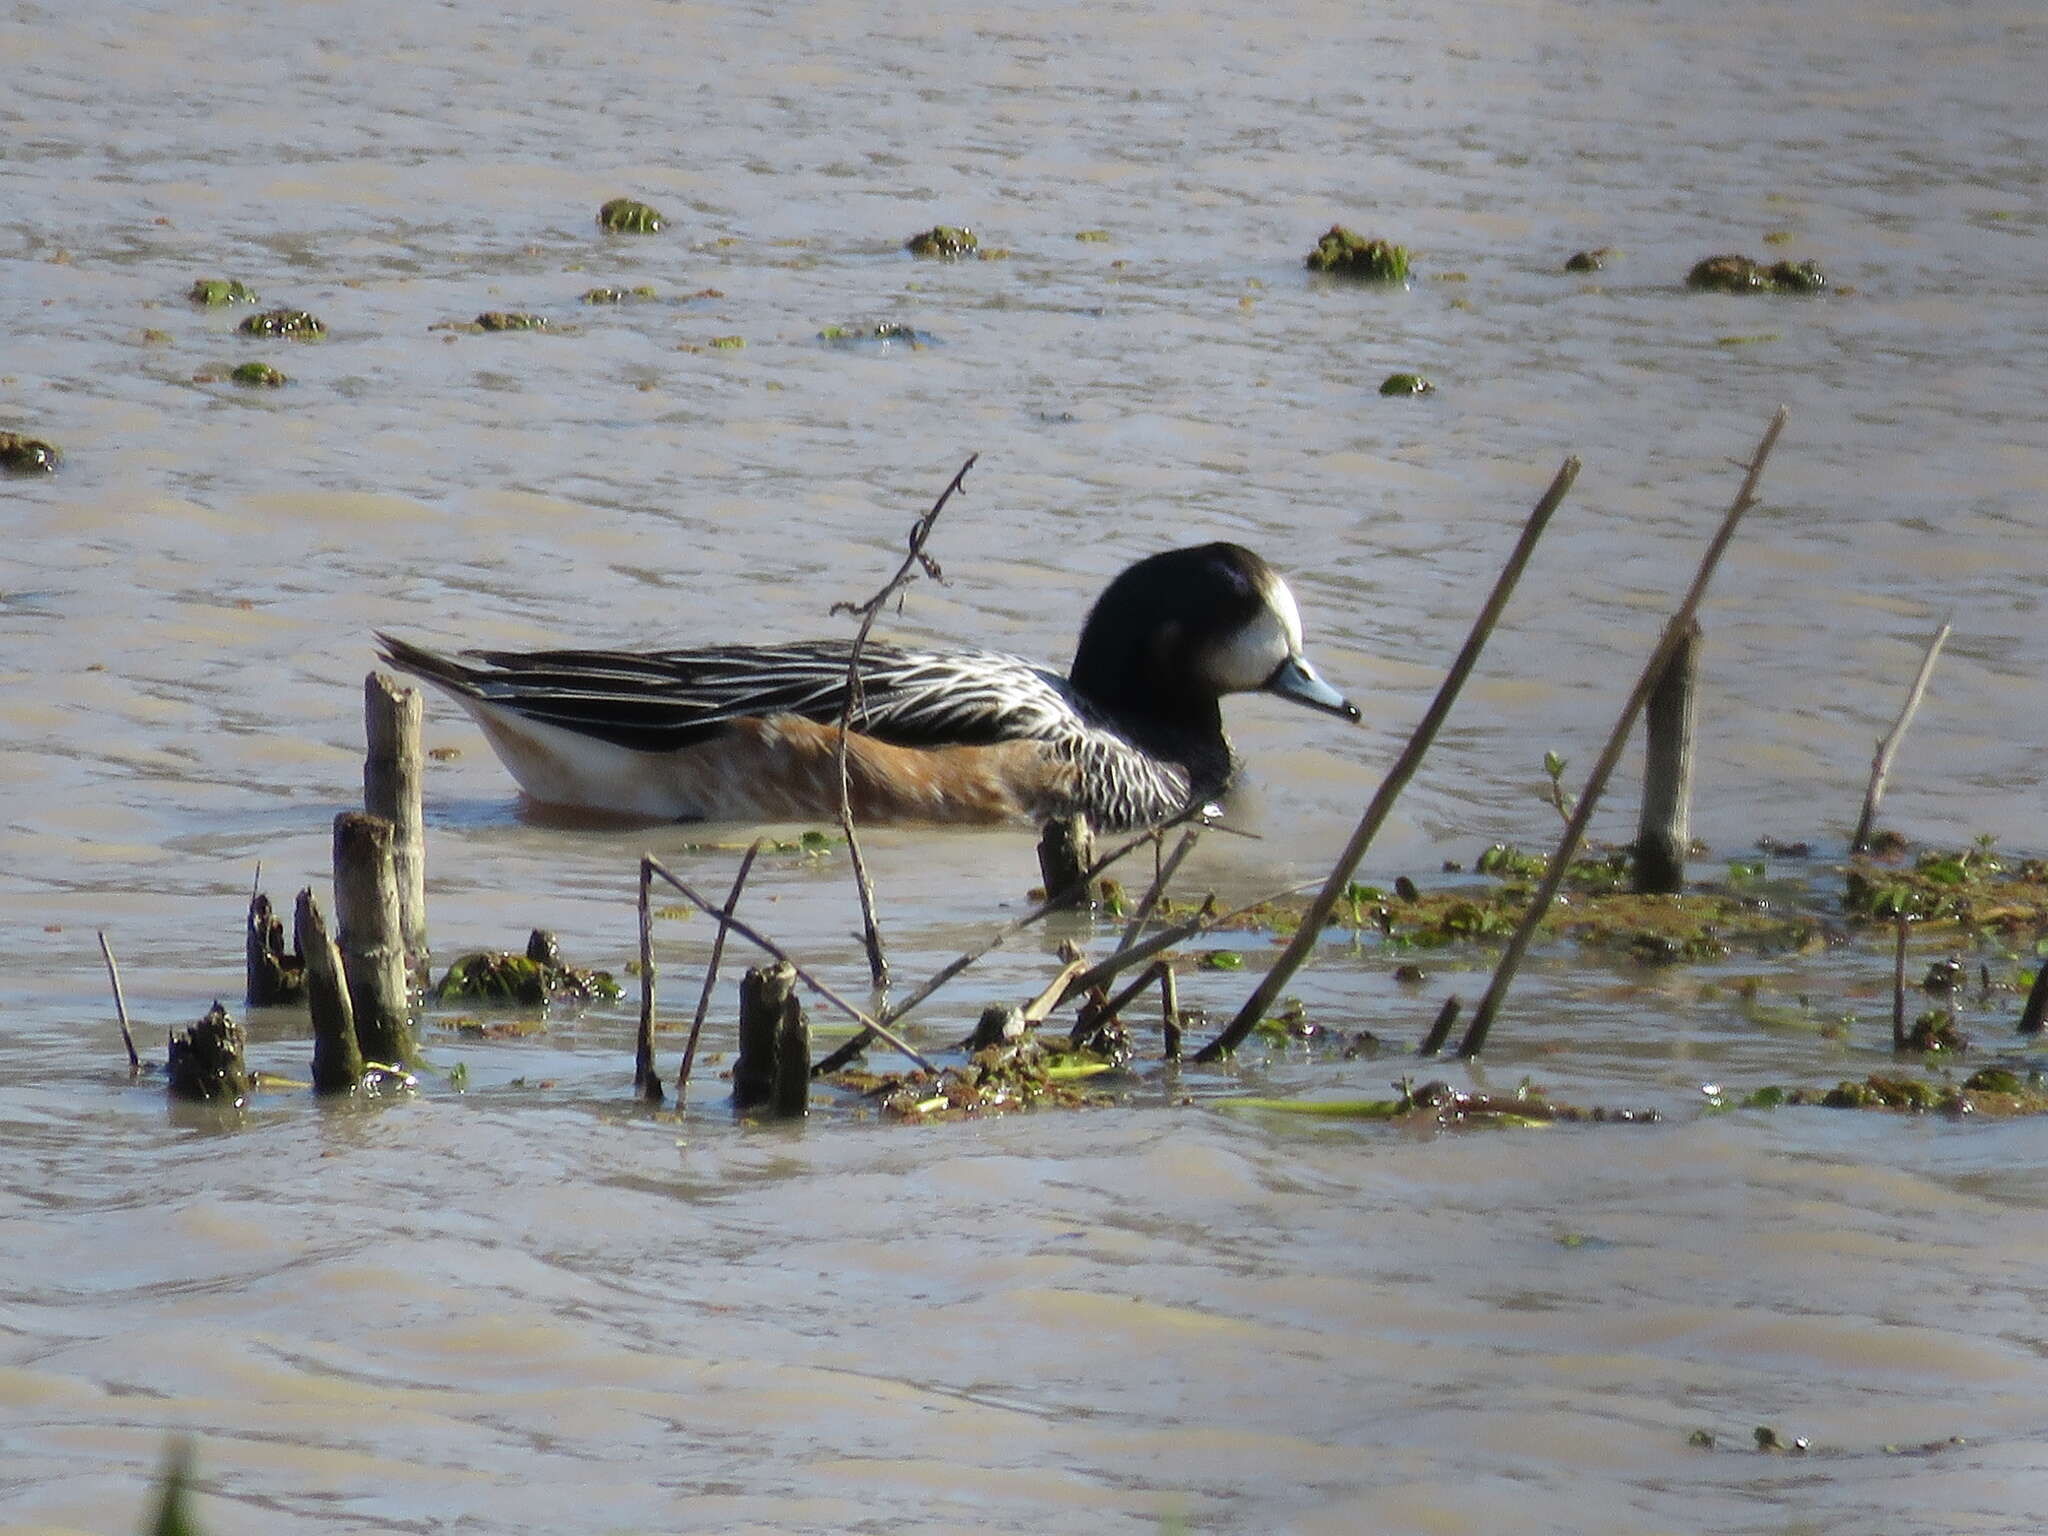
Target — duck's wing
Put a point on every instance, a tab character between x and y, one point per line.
665	701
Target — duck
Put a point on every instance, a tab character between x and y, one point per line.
1131	736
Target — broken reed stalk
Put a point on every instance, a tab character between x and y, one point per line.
646	1082
120	1002
1664	829
869	611
1318	915
2035	1014
1589	797
371	941
1107	1013
1899	986
769	946
337	1054
724	915
1163	874
1169	1012
1881	764
393	773
945	973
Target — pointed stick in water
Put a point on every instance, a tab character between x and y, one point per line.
1899	987
646	1081
2035	1014
769	946
120	1002
920	531
724	915
1589	796
1440	1031
1664	829
1881	764
1318	915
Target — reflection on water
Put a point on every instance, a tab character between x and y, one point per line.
531	1308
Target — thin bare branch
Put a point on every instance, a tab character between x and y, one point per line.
724	915
1881	764
1165	873
1675	633
1318	915
120	1002
769	946
916	558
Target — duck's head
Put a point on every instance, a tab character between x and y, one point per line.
1178	630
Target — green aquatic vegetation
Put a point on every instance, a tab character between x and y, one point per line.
1740	274
608	295
1973	888
1028	1072
215	292
884	334
1447	1107
532	980
23	455
258	376
510	320
1344	254
728	343
1406	384
283	322
1092	236
944	242
626	216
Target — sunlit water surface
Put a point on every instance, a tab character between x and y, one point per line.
531	1307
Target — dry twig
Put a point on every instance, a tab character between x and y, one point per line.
724	915
1881	764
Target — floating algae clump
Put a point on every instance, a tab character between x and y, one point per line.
534	978
1739	274
1406	384
884	334
282	322
216	291
624	216
944	242
503	320
258	376
28	455
1588	261
1348	255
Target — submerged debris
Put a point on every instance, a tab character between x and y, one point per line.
533	980
217	291
258	376
1740	274
28	455
884	333
625	216
1023	1073
1345	254
944	242
1406	384
508	320
1447	1107
1588	261
283	322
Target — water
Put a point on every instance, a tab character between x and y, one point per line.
532	1307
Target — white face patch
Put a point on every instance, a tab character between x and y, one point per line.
1242	662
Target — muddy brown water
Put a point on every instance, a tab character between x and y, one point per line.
528	1307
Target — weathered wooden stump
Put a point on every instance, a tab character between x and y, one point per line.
392	774
274	976
337	1056
773	1069
1066	850
373	956
1664	833
205	1063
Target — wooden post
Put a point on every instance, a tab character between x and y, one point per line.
1066	851
771	1018
371	943
2036	1011
337	1057
391	789
1664	834
272	976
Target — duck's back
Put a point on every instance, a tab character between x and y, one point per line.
668	701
